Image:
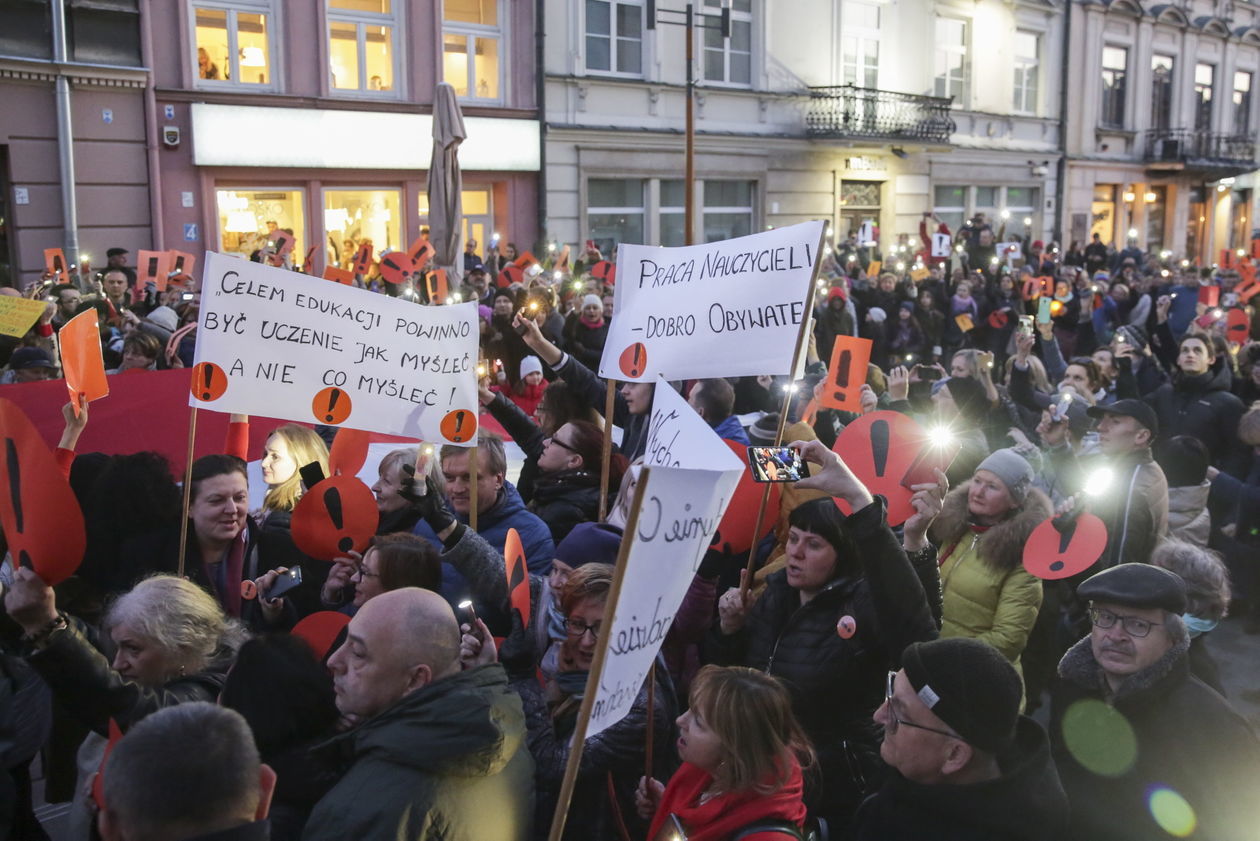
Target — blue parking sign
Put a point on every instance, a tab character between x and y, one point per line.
190	232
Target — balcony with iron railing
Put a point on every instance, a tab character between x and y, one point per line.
848	111
1213	153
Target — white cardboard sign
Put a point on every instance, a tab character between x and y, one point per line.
678	437
681	511
725	309
941	246
279	344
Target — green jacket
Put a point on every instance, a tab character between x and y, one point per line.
446	763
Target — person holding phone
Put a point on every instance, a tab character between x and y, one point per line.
831	624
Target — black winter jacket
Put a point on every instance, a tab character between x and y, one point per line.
838	683
582	380
1178	734
562	500
1201	406
1026	803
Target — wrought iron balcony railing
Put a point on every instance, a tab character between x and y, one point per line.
849	111
1201	149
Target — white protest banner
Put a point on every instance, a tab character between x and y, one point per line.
866	233
680	512
276	343
1008	251
940	245
725	309
678	437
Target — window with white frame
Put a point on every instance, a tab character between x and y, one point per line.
1115	71
950	205
615	212
614	36
859	44
728	209
729	60
362	52
235	44
673	213
952	68
1027	70
1204	82
472	48
1242	102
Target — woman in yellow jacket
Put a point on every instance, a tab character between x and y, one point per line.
981	530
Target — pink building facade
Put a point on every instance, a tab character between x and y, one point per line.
308	115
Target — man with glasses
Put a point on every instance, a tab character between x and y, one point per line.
964	764
1145	749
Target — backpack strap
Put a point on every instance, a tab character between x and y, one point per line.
785	828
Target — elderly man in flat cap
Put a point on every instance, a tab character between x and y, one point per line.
1145	749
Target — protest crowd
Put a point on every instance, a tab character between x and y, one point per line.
866	676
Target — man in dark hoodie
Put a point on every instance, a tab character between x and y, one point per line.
437	753
1198	401
964	764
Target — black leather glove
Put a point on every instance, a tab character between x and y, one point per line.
429	504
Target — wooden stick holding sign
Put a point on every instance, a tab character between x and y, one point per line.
802	342
188	465
605	458
578	741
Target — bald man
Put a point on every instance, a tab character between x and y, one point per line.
437	752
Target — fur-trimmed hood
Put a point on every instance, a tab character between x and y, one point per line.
1001	546
1079	666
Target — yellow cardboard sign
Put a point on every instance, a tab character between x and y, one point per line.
919	274
873	268
17	315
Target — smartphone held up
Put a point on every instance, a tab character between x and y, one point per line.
776	464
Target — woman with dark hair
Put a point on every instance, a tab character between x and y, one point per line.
831	625
558	405
567	490
286	695
742	752
392	561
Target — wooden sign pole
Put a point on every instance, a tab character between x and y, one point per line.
802	342
605	465
578	742
188	465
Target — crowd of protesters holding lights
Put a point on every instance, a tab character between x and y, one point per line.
873	682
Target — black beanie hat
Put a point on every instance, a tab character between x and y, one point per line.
968	685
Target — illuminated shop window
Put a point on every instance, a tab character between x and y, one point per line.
353	216
248	216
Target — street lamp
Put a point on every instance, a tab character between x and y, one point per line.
687	18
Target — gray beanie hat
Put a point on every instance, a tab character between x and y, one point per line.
1014	471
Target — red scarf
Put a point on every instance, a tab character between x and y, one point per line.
594	325
722	816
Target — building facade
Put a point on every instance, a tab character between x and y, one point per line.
204	124
74	140
315	116
852	111
1161	124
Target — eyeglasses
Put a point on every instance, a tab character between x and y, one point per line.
1134	626
577	628
362	572
894	722
551	439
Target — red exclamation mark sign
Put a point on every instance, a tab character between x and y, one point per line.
332	501
15	492
208	381
880	434
633	361
459	426
331	405
842	373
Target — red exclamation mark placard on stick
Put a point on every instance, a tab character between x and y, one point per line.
847	374
459	426
879	448
633	361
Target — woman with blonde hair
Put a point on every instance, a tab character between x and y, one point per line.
742	752
288	449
